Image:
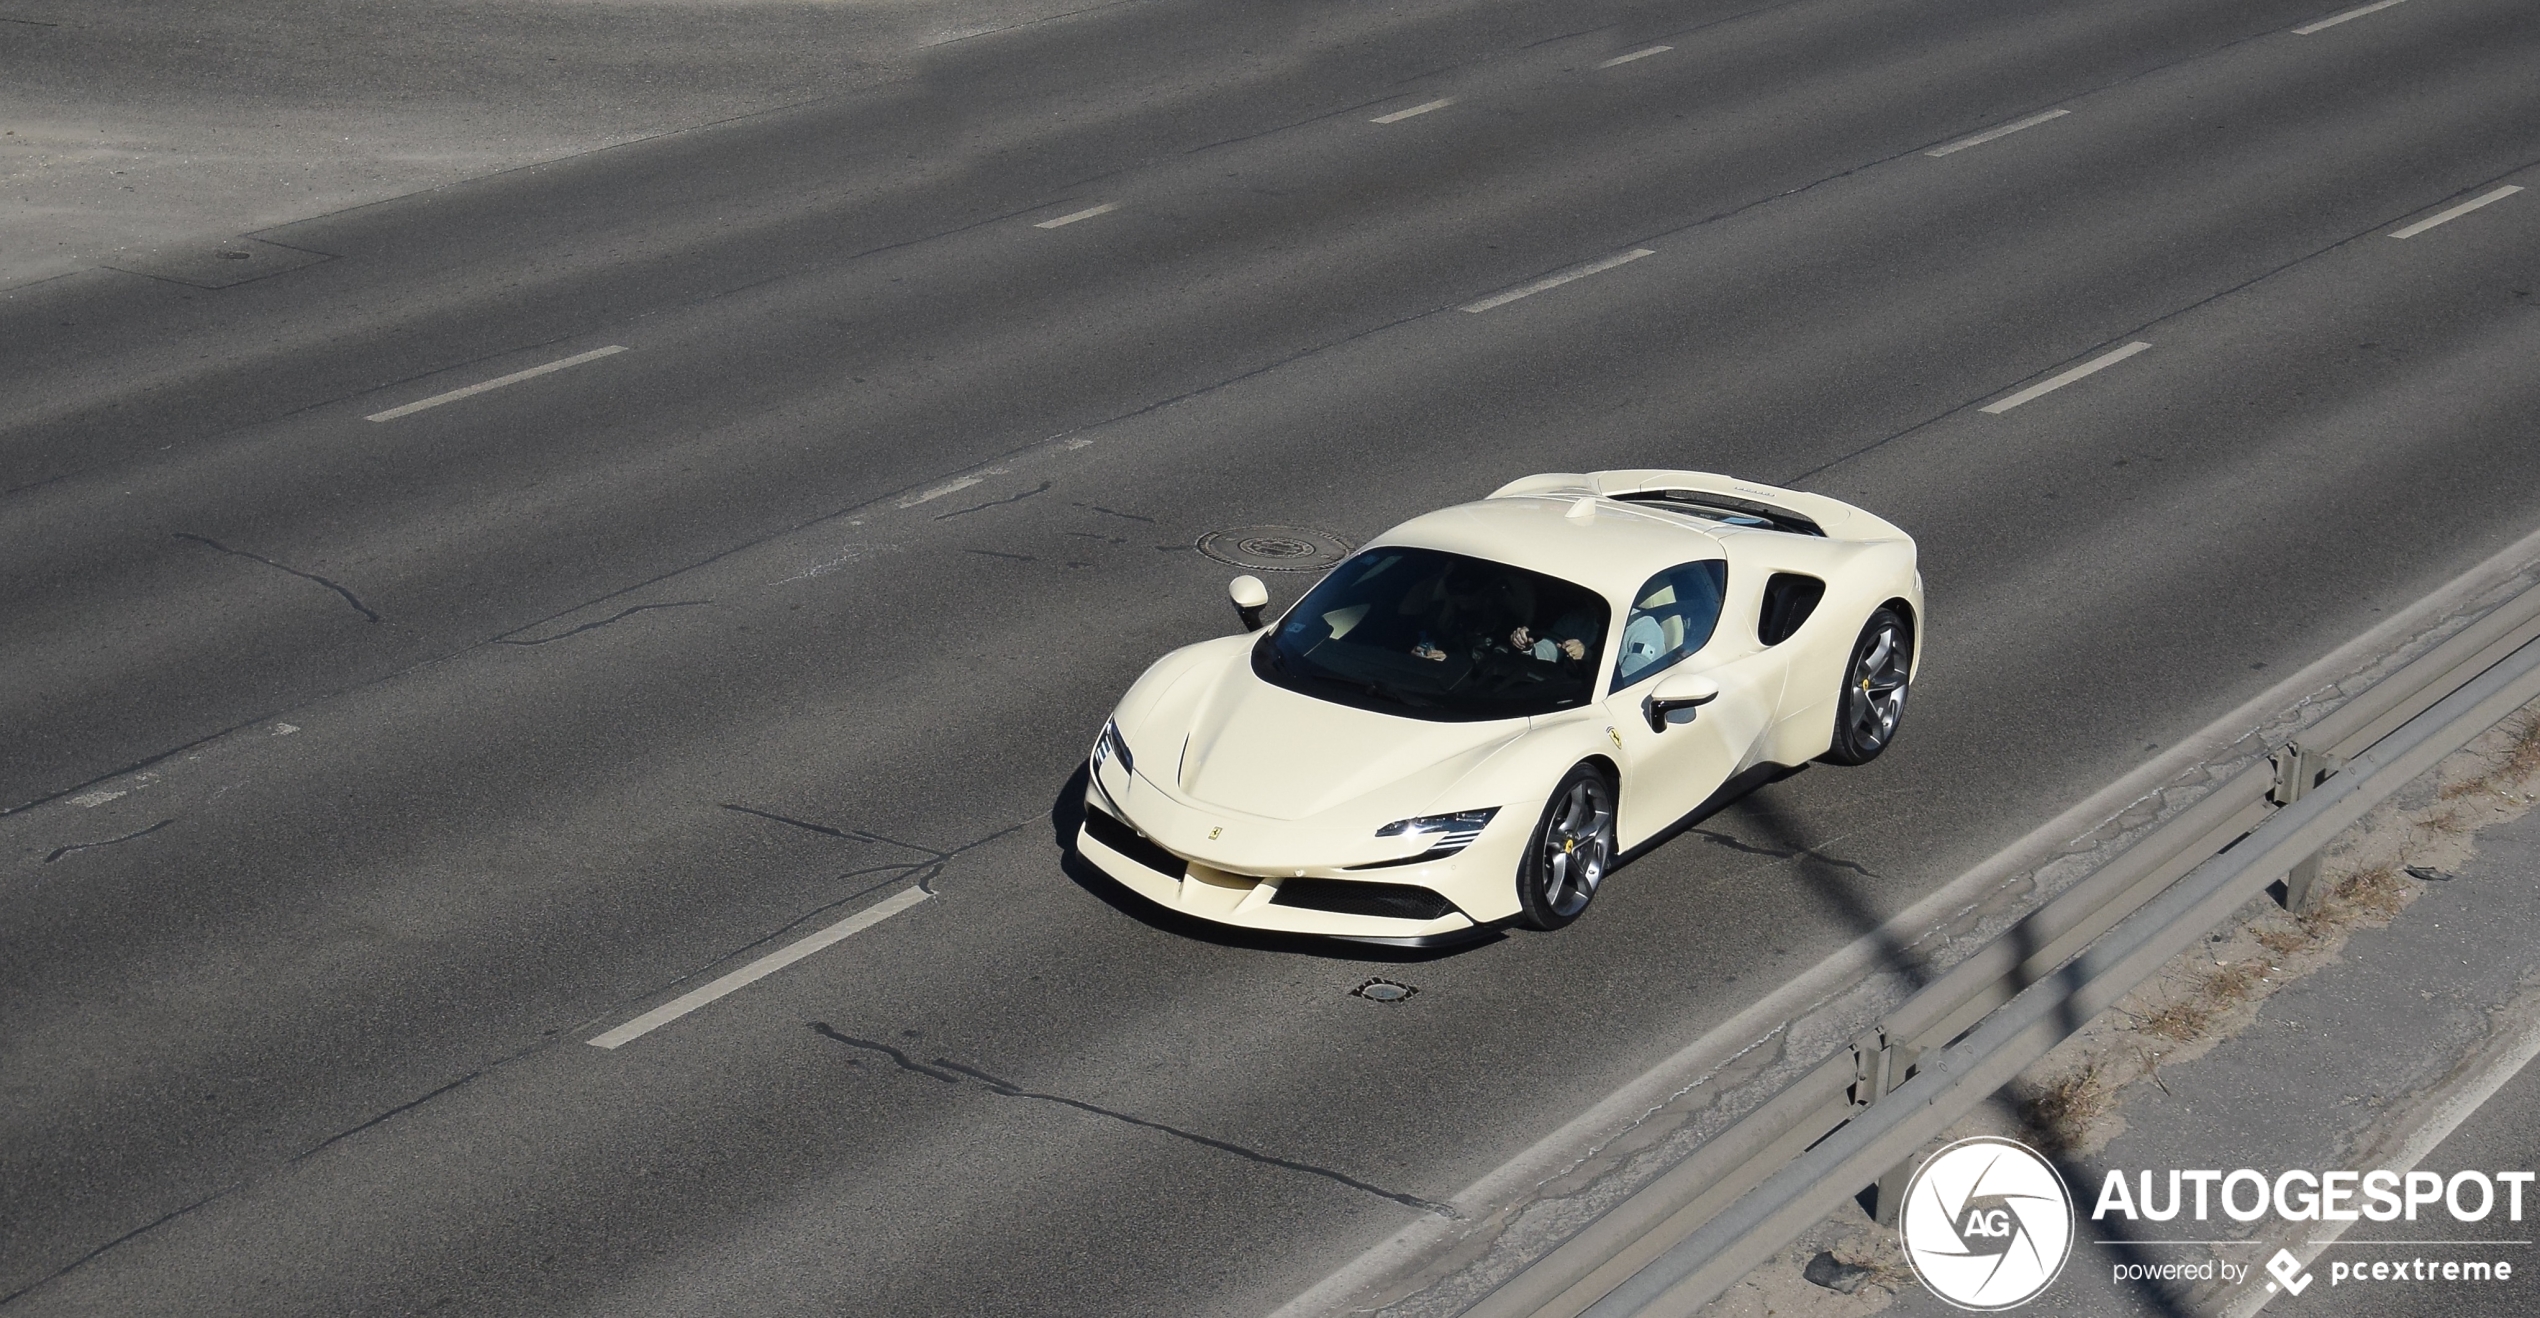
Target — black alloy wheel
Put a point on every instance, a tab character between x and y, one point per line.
1572	846
1874	685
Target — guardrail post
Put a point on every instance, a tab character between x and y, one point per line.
2298	769
1879	1065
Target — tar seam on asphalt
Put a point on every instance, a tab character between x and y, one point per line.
349	597
1797	853
506	639
1009	1089
1117	513
991	553
861	835
1042	488
549	1039
59	852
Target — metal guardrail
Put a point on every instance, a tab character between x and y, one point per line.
1748	1191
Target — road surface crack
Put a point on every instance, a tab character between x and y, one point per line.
59	852
349	597
1042	488
861	835
621	613
1114	512
1008	1089
1795	853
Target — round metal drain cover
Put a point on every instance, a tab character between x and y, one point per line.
1382	990
1275	548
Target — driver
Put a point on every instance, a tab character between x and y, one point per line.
1467	601
1563	639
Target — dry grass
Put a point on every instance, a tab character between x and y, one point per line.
2522	756
2516	763
2374	894
2063	1109
2180	1020
1892	1273
2479	786
2233	984
2286	940
2450	819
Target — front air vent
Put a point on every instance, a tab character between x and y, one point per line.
1102	828
1393	901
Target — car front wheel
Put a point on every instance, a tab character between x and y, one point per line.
1572	846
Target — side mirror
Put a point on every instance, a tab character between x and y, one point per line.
1250	598
1678	691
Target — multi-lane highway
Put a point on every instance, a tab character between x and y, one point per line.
372	744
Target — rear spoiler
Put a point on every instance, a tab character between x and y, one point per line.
1722	498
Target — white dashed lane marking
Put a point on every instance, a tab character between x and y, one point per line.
2334	19
514	378
1556	281
1086	214
2445	217
760	969
1991	133
1637	54
1399	115
2052	383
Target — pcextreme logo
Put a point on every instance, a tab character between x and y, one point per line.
1987	1224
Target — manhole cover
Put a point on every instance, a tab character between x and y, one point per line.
1275	548
1382	990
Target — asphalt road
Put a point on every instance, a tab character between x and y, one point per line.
2505	1134
446	741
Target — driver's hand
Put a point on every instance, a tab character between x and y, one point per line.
1522	639
1429	652
1574	648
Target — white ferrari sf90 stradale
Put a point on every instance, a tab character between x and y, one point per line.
1465	723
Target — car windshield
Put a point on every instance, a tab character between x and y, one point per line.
1432	635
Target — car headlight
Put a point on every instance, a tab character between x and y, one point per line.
1452	832
1110	746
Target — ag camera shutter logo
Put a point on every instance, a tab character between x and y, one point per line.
1987	1224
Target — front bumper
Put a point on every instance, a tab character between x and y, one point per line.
1459	888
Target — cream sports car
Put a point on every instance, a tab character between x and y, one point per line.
1467	722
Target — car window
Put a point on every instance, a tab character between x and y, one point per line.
1672	616
1431	635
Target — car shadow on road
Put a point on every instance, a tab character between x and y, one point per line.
1067	815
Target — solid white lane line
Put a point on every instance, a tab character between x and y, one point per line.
2050	385
2334	19
1086	214
1637	54
2447	1115
2444	217
514	378
1991	133
1556	281
760	969
1399	115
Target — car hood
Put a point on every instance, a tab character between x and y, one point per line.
1271	752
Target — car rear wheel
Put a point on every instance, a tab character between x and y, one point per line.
1874	686
1567	856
